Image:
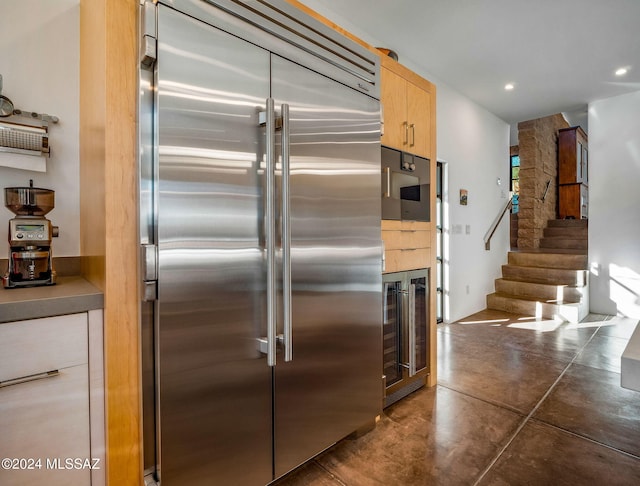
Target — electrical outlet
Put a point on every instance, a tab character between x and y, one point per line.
467	229
467	289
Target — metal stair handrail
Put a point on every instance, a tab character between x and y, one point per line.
492	229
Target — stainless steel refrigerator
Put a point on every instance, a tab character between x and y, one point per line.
260	237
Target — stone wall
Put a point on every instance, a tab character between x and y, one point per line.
537	147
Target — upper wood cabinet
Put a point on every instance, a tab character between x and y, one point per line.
573	156
573	173
408	109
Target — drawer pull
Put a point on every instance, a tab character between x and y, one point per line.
408	249
26	379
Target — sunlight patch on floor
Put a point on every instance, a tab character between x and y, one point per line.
487	321
537	325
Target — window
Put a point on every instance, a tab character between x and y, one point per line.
515	183
439	244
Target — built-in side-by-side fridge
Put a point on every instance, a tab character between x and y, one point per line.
260	239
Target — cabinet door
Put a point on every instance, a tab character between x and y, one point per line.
392	330
419	116
44	400
394	104
584	201
567	157
419	292
46	420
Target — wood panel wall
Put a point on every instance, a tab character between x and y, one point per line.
108	215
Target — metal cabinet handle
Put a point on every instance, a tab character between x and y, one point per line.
27	379
412	330
413	134
387	193
385	304
270	231
406	133
286	234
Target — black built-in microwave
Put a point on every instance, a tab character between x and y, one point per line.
405	186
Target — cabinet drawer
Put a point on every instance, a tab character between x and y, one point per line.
394	224
400	260
40	345
406	239
46	419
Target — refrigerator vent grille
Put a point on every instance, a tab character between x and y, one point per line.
290	24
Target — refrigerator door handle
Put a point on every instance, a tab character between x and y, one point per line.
286	235
270	231
412	329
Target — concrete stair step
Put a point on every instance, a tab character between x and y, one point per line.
553	276
554	250
544	292
568	223
576	233
569	261
561	242
518	305
550	282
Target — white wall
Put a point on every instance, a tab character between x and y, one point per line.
475	145
40	62
614	205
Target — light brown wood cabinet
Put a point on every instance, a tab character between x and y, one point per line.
407	245
409	124
407	110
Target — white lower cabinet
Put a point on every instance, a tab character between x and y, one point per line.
45	422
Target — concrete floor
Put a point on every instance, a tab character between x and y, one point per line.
518	402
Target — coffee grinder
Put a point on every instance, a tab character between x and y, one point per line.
30	234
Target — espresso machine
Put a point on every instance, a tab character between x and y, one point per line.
30	234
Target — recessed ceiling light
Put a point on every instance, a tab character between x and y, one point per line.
509	86
621	72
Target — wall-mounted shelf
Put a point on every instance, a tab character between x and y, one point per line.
20	137
24	139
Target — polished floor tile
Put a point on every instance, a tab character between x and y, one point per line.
544	455
434	436
506	376
547	338
311	474
519	401
603	352
590	402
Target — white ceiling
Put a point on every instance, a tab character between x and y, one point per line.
560	54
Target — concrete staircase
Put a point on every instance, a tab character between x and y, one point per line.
550	282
